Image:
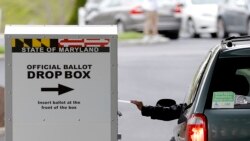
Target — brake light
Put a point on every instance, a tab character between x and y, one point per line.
178	8
136	10
197	128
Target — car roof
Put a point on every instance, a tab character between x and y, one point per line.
235	47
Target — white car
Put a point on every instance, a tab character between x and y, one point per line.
200	16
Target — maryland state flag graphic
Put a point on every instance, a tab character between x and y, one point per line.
19	44
60	45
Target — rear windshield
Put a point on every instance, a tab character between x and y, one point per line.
206	1
141	2
230	84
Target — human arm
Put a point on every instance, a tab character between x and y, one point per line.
158	112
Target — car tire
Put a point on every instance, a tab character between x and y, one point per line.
214	35
191	29
120	27
221	29
172	139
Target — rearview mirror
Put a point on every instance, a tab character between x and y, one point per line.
165	102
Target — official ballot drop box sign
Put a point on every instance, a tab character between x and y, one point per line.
61	83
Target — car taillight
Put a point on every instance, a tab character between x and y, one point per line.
178	8
136	10
197	128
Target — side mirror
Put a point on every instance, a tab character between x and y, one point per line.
165	102
182	119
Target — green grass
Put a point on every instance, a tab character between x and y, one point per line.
35	11
130	35
1	50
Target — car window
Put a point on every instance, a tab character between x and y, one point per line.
141	2
197	79
206	1
114	3
131	2
229	87
104	3
230	2
240	2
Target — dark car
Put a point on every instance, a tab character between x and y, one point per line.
234	17
130	16
218	106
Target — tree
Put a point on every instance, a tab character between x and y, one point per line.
73	18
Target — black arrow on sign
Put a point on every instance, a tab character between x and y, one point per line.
61	89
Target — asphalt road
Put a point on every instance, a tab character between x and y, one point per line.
153	72
149	73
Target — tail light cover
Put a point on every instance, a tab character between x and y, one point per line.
197	128
178	8
136	10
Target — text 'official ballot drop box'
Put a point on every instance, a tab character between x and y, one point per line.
61	83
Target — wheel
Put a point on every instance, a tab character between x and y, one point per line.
172	139
214	35
120	27
221	29
191	29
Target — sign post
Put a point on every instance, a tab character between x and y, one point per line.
61	83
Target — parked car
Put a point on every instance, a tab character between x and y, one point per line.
218	105
200	16
130	16
234	17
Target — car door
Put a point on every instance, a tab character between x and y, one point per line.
109	12
240	15
180	129
104	14
228	14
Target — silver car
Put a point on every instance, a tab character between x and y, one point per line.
129	15
234	17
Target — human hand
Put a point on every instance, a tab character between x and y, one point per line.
139	104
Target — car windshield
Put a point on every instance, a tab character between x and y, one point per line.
205	1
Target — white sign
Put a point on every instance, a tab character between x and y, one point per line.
62	86
223	99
